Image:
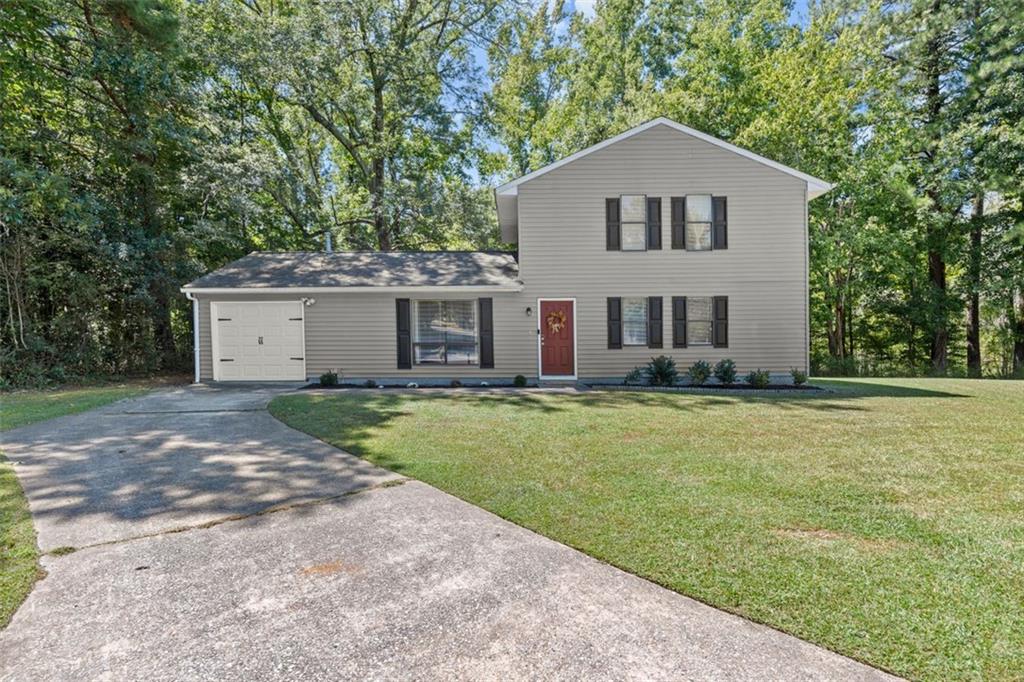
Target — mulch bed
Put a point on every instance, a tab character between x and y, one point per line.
715	388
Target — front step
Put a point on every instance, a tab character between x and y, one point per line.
560	383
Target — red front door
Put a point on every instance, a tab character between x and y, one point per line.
556	338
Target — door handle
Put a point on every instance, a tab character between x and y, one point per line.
260	341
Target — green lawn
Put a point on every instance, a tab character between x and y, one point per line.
19	553
884	520
19	408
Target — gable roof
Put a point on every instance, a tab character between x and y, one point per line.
815	186
292	271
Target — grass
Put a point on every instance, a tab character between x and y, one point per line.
19	408
19	567
884	520
19	554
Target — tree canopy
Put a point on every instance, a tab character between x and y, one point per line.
143	142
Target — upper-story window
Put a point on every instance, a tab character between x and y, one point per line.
698	222
633	222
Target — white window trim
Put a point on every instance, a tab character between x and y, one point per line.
575	343
623	222
647	313
215	342
711	321
709	223
414	303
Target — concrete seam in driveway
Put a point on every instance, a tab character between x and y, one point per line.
276	509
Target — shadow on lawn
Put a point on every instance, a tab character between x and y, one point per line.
365	412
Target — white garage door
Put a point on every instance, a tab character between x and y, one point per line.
258	341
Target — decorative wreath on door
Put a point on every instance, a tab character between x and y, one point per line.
556	321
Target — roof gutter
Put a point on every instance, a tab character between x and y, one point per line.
426	289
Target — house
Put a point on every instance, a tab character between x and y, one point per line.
661	240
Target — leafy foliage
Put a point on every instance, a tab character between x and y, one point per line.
799	376
661	371
699	372
759	378
329	379
725	371
145	142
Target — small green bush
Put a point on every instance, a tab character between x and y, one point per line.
725	371
799	376
759	378
634	376
519	381
329	379
699	373
455	383
661	371
370	383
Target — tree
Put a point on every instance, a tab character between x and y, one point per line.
390	86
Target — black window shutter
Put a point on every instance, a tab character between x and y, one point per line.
611	225
615	322
653	223
404	326
654	322
720	328
678	222
719	228
486	333
679	322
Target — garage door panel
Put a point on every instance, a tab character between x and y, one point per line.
259	341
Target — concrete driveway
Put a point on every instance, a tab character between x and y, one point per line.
216	543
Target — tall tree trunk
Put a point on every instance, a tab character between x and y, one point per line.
974	272
377	181
1017	325
836	340
936	229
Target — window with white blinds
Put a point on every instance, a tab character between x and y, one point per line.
699	320
445	332
634	321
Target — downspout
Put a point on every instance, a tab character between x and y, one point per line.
195	334
807	284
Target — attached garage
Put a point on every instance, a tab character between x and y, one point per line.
292	316
258	341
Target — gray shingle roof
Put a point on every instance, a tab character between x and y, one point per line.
364	269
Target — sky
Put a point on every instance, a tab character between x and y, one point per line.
797	16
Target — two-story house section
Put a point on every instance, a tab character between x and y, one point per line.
660	241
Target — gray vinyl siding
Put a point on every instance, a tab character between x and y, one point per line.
354	334
763	272
561	229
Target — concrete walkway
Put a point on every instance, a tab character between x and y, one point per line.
217	543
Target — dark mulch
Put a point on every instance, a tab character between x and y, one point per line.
731	388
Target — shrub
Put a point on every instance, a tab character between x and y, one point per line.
759	378
661	371
455	383
519	381
725	371
634	376
699	373
329	379
799	376
370	383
